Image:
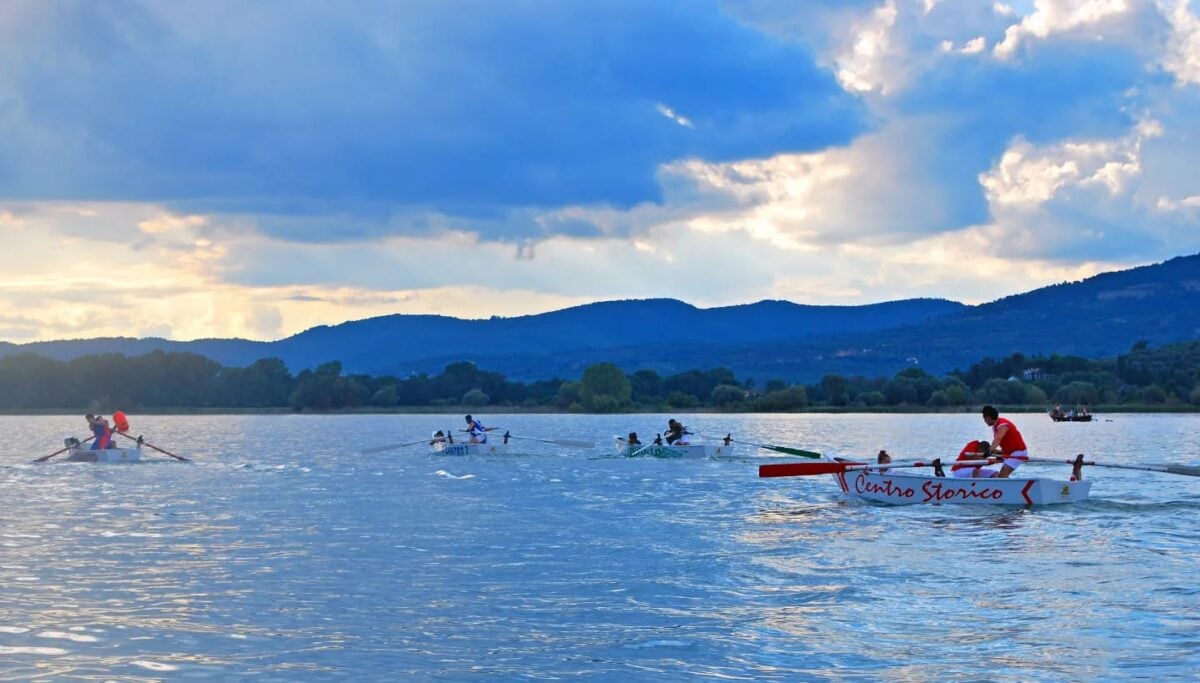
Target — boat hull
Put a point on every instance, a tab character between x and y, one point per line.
107	455
1074	418
915	489
689	452
470	449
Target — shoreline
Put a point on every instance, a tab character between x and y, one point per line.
1097	413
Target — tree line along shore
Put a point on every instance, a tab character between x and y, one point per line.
1166	378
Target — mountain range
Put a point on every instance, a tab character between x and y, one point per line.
1100	316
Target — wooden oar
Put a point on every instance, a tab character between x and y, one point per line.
44	458
778	449
805	469
1186	470
392	446
147	443
557	442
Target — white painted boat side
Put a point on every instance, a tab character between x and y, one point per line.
498	448
688	452
915	489
104	455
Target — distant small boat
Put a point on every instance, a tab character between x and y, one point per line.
689	451
444	448
1071	418
104	455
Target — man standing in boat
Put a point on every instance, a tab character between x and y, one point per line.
477	431
1006	441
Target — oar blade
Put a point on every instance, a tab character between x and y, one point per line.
800	469
1186	470
792	451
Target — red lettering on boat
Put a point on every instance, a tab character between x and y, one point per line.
887	487
935	492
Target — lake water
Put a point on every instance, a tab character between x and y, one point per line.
281	554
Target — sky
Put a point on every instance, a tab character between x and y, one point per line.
230	169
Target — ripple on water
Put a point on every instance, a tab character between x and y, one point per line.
282	556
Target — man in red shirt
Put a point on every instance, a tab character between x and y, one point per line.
1006	441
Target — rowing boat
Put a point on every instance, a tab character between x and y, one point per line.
443	448
915	489
690	451
105	455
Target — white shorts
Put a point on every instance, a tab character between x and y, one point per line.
964	473
1015	462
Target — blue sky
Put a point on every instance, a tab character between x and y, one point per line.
253	169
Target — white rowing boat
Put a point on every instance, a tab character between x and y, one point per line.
689	451
105	455
915	489
443	448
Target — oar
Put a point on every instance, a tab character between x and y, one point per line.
391	446
1186	470
44	458
779	449
557	442
805	469
147	443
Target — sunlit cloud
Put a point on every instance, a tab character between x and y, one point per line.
156	181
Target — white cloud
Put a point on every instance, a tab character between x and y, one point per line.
863	66
676	117
1028	176
1182	58
1057	16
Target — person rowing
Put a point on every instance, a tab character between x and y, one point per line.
883	459
633	439
100	430
675	433
975	450
1006	441
477	431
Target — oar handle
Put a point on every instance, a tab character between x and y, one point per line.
806	469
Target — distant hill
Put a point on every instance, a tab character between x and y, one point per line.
1097	317
533	344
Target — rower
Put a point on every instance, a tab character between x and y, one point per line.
633	439
477	431
675	432
438	437
100	430
1006	441
882	459
975	450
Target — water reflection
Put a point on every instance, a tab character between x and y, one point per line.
276	555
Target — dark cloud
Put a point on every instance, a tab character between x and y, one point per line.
464	108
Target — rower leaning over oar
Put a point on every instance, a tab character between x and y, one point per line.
477	431
1006	441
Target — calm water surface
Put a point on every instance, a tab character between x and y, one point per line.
281	554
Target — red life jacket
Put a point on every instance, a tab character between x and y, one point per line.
1012	441
969	452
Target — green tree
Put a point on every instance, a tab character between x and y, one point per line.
836	389
604	379
475	397
385	397
725	395
791	398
